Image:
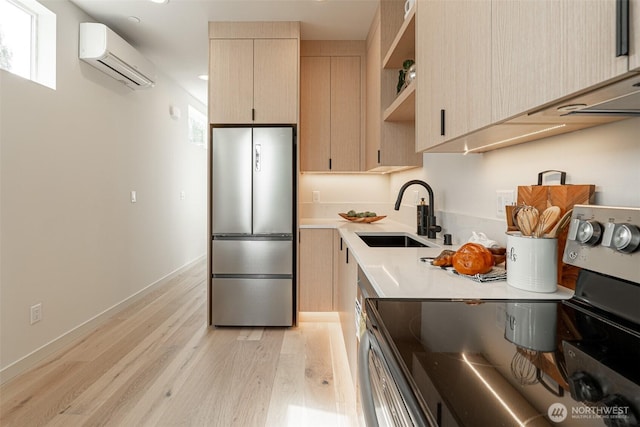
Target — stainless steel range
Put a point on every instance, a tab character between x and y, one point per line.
603	367
517	362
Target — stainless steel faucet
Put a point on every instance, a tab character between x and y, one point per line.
432	227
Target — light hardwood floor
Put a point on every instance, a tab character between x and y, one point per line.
158	364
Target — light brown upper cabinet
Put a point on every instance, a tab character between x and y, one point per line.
253	73
315	113
634	35
526	55
499	75
547	50
330	107
453	94
390	117
589	43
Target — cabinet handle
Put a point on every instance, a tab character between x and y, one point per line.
439	413
329	163
341	243
378	156
347	255
442	122
253	114
622	27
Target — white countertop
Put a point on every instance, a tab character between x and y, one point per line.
399	273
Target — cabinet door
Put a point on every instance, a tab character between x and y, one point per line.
345	113
345	300
275	96
316	270
454	62
330	116
315	113
546	50
527	58
230	81
373	104
634	35
589	40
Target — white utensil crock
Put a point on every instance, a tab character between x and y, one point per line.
531	325
532	263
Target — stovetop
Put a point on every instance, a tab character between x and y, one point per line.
508	363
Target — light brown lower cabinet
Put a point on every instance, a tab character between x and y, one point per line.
345	296
328	276
316	270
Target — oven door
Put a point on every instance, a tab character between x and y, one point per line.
386	397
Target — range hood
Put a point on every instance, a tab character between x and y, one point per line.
618	99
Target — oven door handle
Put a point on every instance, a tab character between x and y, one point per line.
364	377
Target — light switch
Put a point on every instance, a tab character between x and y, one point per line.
503	198
315	196
134	196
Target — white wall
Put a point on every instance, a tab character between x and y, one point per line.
70	237
465	186
341	193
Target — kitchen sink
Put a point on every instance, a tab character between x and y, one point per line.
390	240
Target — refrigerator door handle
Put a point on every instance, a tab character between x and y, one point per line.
258	159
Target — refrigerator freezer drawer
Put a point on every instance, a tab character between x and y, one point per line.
252	256
252	302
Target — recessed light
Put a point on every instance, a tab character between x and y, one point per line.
134	19
203	77
160	1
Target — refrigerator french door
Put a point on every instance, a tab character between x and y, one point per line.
252	223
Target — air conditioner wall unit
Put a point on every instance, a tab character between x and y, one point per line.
111	54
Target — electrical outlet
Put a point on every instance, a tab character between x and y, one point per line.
416	197
503	198
134	196
182	195
315	196
36	313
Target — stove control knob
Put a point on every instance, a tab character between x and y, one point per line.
584	388
626	238
620	412
589	232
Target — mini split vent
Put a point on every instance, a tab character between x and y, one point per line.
111	54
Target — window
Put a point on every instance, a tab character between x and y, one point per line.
28	40
197	127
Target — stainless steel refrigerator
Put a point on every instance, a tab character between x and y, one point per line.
253	224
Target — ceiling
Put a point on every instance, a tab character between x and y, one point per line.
174	36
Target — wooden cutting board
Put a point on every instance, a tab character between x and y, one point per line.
565	196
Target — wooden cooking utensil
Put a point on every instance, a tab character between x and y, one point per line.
560	225
548	218
527	218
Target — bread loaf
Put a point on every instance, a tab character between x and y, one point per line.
473	258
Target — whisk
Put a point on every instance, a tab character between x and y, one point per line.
522	368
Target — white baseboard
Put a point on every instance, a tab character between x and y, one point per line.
32	359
